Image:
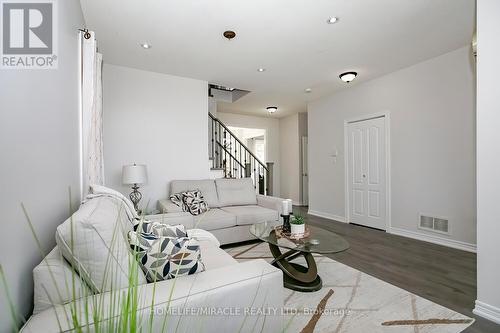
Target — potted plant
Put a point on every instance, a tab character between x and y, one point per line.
297	225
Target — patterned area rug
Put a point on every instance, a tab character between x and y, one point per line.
354	302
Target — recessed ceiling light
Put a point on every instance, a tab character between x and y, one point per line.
272	109
308	90
332	20
348	76
261	70
146	46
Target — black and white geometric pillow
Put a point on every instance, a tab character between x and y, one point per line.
160	229
166	230
177	200
163	258
194	202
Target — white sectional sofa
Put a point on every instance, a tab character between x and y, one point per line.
226	286
234	207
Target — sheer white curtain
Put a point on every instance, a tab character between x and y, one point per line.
91	114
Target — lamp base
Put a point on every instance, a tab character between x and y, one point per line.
135	196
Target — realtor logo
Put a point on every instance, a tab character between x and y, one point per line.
28	34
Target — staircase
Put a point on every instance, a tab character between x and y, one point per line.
230	156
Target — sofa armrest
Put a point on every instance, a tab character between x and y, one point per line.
274	203
167	206
188	302
183	218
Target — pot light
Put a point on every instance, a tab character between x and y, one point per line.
272	109
146	46
332	20
348	76
261	70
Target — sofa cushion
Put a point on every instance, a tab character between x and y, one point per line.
214	257
214	219
55	282
203	235
207	188
163	258
236	192
94	241
252	214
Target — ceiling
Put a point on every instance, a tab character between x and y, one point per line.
289	38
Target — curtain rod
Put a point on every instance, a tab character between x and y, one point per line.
86	33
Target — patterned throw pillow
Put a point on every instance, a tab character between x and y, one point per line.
163	258
195	202
160	229
177	199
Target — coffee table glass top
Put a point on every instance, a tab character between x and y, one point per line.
319	241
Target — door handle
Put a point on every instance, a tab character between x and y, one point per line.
364	176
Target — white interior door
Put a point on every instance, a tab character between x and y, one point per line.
305	172
366	172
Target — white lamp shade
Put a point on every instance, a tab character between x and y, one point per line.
134	174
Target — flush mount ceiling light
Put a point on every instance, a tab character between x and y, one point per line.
307	90
229	34
261	70
332	20
146	46
272	109
348	76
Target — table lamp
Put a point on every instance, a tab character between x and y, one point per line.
135	175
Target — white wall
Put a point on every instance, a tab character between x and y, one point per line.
488	160
158	120
272	138
290	158
432	142
39	145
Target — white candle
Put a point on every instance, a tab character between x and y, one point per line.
290	205
284	205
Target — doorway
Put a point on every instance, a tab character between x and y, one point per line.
367	171
253	138
305	172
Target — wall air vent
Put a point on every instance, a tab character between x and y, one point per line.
435	224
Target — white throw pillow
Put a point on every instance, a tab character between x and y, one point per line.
94	241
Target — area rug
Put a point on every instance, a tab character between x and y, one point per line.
354	302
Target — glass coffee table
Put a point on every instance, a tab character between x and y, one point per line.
295	276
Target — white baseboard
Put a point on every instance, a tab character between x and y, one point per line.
327	216
487	311
434	239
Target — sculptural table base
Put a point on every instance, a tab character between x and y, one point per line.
295	276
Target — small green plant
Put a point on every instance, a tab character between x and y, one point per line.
298	219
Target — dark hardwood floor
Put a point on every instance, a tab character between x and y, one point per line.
443	275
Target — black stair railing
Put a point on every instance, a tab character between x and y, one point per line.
229	154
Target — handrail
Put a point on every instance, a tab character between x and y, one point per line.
241	143
229	153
